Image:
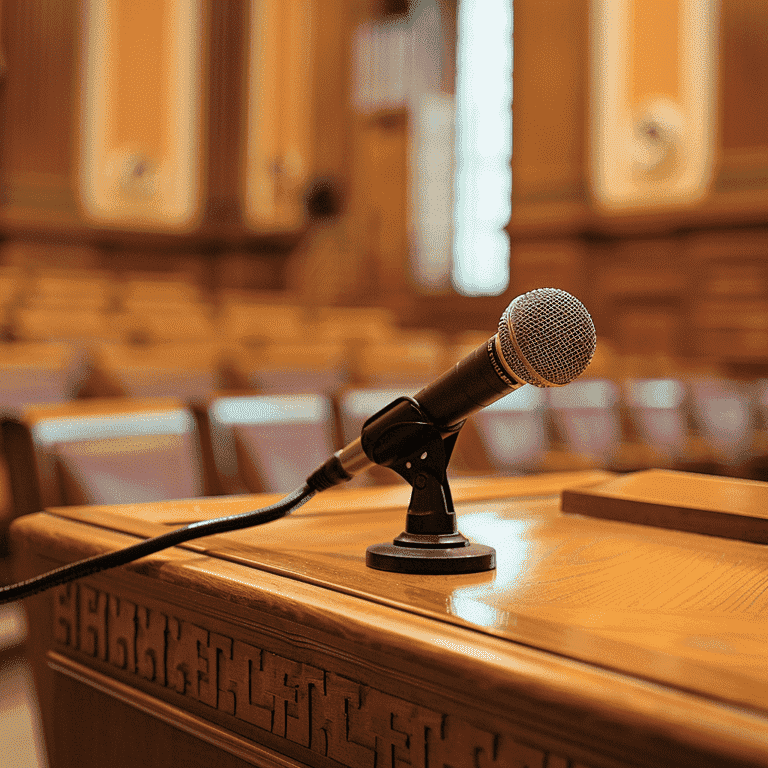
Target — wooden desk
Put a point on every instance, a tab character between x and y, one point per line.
595	644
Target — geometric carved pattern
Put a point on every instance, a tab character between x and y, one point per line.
349	722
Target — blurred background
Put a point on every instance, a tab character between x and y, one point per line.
230	231
338	198
203	199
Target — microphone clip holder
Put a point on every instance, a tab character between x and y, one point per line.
402	438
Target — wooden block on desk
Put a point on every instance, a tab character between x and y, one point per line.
682	501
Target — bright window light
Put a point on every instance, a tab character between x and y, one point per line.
483	147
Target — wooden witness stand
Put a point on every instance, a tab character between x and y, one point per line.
595	643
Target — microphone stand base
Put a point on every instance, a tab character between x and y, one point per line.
402	438
396	558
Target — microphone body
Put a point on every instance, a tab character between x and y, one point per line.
546	338
473	383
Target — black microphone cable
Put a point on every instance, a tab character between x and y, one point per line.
546	338
98	563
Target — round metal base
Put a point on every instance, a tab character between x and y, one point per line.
472	558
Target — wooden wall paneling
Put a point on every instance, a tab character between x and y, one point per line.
40	39
392	170
548	264
324	256
730	321
652	100
225	100
141	123
262	118
380	201
645	267
331	88
298	116
279	121
449	11
743	115
642	288
549	111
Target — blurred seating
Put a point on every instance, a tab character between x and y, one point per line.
61	289
758	467
406	360
725	416
149	335
37	372
510	436
255	324
190	371
658	412
282	367
31	373
761	401
586	415
270	442
247	296
74	324
103	451
150	310
144	322
171	288
360	325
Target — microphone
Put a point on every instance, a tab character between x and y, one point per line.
546	338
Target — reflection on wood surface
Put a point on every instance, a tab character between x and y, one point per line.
658	632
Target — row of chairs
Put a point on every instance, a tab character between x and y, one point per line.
663	411
38	372
123	450
88	306
129	450
157	321
97	288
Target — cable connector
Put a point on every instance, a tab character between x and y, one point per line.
328	474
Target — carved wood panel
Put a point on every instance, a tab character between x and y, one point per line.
307	711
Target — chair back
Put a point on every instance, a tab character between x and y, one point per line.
725	414
74	324
189	371
513	432
293	367
402	361
269	442
37	372
586	414
658	412
103	451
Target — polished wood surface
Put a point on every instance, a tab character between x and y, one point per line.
595	641
725	507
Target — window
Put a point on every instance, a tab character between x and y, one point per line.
461	147
483	177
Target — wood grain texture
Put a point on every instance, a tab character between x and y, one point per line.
194	743
594	641
40	40
704	504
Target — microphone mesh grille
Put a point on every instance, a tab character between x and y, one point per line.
554	334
